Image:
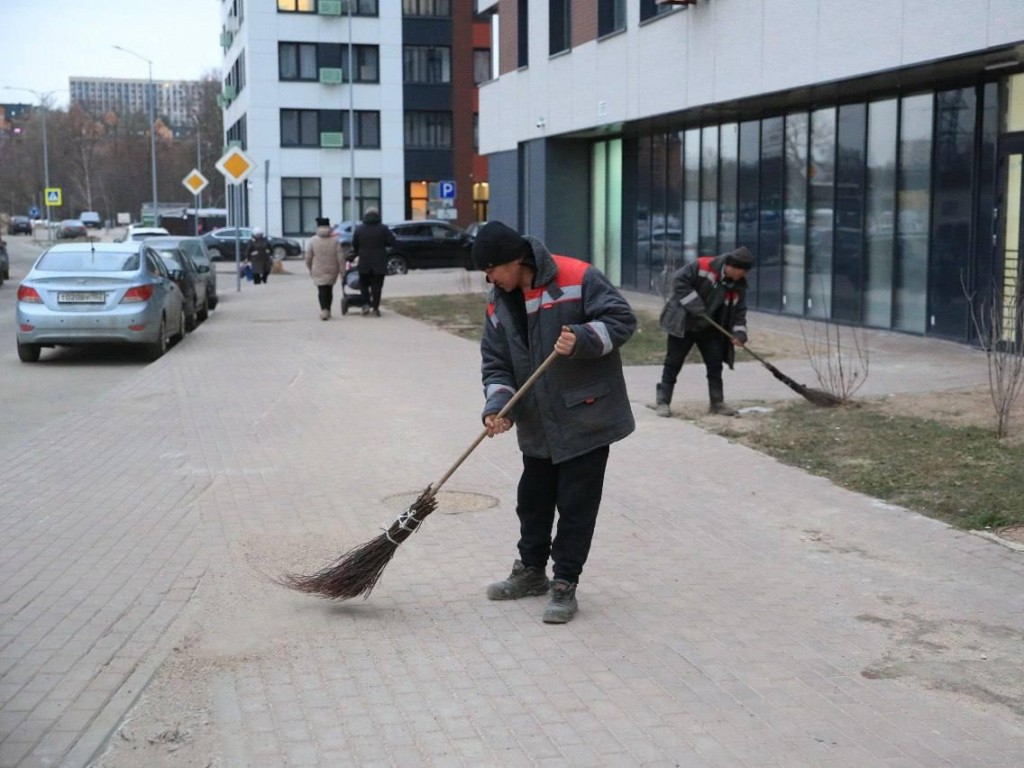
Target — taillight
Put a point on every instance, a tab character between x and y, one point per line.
28	294
137	293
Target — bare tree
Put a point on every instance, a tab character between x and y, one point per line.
839	356
998	326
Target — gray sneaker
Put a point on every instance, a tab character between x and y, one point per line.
522	582
563	605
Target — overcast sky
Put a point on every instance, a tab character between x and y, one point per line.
44	42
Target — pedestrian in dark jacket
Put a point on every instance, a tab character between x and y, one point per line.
567	420
370	243
260	256
715	287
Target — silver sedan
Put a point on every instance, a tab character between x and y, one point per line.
98	293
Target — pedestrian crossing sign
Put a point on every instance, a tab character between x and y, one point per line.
53	197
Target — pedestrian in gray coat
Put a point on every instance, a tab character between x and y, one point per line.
569	417
324	262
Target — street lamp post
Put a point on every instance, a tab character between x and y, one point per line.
43	98
152	130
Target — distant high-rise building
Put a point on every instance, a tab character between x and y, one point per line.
175	99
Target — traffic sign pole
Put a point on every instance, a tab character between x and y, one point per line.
236	166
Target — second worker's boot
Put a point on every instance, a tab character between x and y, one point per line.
663	397
717	397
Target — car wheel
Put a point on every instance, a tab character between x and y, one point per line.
397	265
204	311
191	320
155	349
211	302
182	326
280	252
28	353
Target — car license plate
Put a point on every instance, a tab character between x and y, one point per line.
82	297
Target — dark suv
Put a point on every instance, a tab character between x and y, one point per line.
428	244
21	224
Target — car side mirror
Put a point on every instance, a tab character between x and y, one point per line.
202	267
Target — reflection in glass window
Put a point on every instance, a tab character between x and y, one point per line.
880	230
691	193
820	227
728	151
367	196
769	251
794	214
747	190
912	218
708	243
848	261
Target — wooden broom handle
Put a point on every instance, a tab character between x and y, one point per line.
501	414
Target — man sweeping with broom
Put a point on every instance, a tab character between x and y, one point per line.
571	414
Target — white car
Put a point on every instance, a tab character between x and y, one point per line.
136	232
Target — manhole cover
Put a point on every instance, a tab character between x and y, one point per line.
448	502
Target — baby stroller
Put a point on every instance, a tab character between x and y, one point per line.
350	282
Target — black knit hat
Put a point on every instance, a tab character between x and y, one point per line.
740	258
323	221
497	244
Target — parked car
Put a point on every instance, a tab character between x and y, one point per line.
20	225
428	244
5	263
193	287
221	243
98	293
473	228
71	228
195	248
91	219
137	232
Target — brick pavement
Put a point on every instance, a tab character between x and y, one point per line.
787	623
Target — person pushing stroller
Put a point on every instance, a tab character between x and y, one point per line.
370	243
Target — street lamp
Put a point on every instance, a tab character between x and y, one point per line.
43	99
152	130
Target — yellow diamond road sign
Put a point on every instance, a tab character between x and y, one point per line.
195	182
235	165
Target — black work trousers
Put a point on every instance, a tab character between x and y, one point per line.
325	294
574	488
370	286
711	344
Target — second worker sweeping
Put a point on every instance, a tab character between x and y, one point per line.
715	287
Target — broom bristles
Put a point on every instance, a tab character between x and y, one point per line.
357	571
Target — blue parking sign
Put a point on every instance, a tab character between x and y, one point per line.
446	189
33	212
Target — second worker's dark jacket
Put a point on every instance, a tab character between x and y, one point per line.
580	403
260	255
700	288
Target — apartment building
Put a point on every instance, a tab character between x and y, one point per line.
869	153
175	99
349	104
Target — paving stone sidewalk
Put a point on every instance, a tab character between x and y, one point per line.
773	620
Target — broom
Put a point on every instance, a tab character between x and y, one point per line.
815	396
356	572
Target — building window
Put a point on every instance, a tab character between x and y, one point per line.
649	9
300	128
428	130
296	6
481	65
364	7
366	60
297	61
426	64
910	309
367	129
300	205
522	34
611	16
427	8
559	26
367	196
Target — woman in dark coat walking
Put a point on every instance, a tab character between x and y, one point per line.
370	243
260	256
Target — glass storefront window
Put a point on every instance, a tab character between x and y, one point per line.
728	152
822	202
880	212
848	256
747	191
708	243
912	217
794	214
691	193
769	251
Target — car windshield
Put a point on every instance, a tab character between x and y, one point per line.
88	261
